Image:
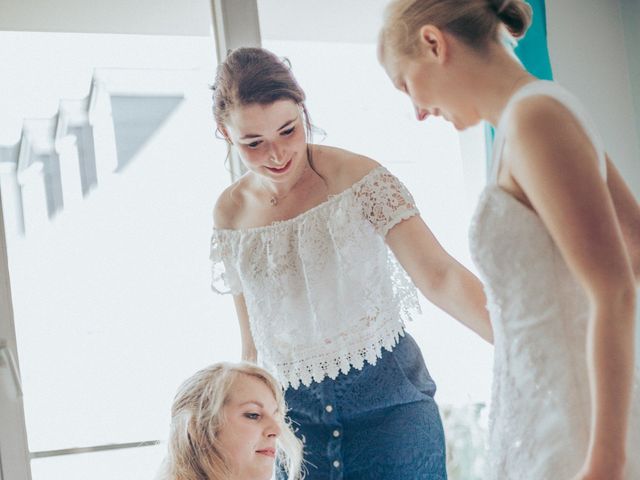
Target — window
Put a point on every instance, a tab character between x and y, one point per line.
110	288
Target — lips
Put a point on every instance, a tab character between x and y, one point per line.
268	452
282	169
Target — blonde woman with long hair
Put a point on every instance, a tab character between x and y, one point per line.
228	423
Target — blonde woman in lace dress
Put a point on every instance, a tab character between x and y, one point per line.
555	238
303	241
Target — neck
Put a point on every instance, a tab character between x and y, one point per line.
282	189
495	78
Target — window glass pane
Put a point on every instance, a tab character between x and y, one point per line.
113	308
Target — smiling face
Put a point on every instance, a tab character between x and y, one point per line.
433	79
270	139
252	424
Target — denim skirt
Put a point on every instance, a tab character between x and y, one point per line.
379	423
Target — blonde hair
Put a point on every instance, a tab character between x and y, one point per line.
475	22
194	451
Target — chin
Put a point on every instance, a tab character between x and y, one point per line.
461	126
264	475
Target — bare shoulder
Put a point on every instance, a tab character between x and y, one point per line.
543	130
229	206
341	168
543	118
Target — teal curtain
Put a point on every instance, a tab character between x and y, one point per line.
533	52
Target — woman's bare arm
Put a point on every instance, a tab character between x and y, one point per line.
440	278
249	353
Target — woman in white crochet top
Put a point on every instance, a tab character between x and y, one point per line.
315	244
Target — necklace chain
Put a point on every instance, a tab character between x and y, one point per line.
274	200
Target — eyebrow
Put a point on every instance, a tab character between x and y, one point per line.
255	135
257	403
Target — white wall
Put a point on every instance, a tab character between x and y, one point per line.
141	17
326	21
589	56
630	10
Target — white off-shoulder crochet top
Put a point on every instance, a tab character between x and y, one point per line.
323	291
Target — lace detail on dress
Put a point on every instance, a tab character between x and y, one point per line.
323	291
224	278
367	346
385	201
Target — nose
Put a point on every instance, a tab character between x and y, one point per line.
276	155
421	114
273	429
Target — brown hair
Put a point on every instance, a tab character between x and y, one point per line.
252	75
194	451
475	22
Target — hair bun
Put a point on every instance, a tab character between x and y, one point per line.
498	6
514	14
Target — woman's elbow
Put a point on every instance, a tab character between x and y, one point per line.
619	298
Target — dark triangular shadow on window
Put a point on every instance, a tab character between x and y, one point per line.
136	119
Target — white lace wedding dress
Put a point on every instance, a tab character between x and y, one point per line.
540	414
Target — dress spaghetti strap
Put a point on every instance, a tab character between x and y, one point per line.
555	91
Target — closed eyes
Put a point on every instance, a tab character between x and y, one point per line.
284	133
